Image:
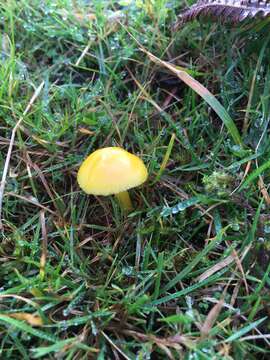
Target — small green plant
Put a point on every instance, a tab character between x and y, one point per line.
218	183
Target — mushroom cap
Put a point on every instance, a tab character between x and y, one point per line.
110	171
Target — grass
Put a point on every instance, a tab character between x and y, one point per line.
186	274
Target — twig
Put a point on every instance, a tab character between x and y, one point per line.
12	139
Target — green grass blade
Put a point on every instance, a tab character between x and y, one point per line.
185	291
181	206
45	350
254	175
27	329
194	262
81	320
245	330
166	159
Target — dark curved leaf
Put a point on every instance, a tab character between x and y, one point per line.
233	11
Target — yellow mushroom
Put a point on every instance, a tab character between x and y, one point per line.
112	171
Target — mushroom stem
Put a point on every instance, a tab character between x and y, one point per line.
124	200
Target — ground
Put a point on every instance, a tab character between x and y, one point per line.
186	274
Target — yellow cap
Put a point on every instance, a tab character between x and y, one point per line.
110	171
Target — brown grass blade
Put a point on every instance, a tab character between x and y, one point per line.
220	265
211	319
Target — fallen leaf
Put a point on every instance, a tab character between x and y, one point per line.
86	131
31	319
